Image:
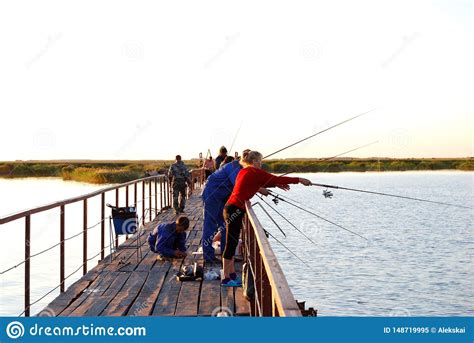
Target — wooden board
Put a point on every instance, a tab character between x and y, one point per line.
210	297
168	297
148	286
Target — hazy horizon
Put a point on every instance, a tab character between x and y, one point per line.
107	80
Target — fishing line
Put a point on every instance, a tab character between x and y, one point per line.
330	158
388	195
322	218
269	216
269	234
276	196
281	215
317	133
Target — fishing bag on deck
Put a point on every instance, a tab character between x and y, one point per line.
247	282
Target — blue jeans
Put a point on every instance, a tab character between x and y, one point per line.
213	221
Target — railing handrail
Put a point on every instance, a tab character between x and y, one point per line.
24	213
284	299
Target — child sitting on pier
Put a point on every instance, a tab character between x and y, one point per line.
168	239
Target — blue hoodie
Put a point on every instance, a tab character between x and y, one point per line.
165	240
221	183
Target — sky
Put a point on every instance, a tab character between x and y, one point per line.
152	79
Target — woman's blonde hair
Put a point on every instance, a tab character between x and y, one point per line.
252	156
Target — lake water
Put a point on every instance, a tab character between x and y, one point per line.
22	194
419	257
417	261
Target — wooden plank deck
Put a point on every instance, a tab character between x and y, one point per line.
148	287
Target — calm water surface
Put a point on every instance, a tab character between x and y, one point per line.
417	261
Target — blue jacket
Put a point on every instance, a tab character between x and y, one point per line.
164	240
221	183
219	159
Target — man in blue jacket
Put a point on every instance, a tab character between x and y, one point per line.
217	190
168	239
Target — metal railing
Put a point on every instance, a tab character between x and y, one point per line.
161	188
273	296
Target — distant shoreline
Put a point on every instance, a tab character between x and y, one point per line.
103	172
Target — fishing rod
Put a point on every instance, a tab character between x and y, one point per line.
322	218
348	151
283	245
318	133
269	234
276	197
330	158
281	215
235	137
269	216
388	195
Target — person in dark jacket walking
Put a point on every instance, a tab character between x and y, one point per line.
179	177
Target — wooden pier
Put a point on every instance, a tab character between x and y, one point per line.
147	286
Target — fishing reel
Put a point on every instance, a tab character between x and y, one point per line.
327	194
275	199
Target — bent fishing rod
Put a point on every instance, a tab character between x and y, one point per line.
333	157
280	198
318	133
284	246
388	195
289	222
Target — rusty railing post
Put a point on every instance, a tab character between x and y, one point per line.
84	239
27	264
61	249
267	306
165	196
149	198
161	193
102	226
117	205
258	278
126	203
135	191
156	196
126	195
143	202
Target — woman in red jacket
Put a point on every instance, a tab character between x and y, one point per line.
249	180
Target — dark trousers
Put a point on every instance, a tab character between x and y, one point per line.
233	220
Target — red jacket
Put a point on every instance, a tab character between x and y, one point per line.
250	180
